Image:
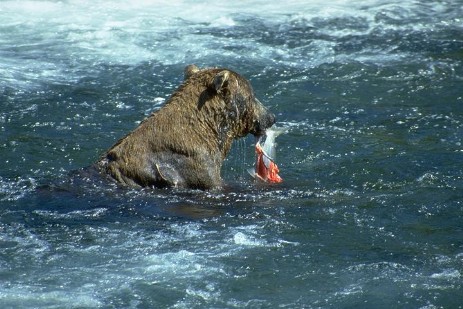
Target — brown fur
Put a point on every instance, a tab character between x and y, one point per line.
185	142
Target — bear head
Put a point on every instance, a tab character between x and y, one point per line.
242	113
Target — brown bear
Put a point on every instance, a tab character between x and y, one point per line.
184	143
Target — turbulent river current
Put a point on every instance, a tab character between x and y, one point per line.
370	213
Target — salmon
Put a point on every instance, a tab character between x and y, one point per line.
265	166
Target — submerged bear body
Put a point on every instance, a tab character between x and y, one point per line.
184	143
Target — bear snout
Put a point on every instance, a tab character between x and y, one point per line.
269	120
263	123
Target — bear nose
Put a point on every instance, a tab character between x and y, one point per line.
271	119
266	122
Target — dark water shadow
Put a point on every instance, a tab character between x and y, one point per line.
86	197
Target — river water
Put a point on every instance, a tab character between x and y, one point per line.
370	213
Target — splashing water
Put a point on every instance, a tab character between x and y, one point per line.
370	208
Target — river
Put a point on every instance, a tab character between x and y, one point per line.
369	215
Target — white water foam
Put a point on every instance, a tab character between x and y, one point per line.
28	296
52	41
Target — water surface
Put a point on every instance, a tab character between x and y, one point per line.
369	214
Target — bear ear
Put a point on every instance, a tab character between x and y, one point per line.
189	71
220	79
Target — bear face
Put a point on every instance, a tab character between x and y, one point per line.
239	95
185	142
241	106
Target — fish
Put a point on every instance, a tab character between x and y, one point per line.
265	168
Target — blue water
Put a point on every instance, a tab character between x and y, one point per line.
369	215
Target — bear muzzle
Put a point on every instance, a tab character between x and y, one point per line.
263	123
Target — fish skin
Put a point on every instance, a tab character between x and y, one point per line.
269	144
266	168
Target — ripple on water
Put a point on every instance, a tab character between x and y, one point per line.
13	190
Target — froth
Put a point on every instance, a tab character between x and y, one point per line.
48	41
